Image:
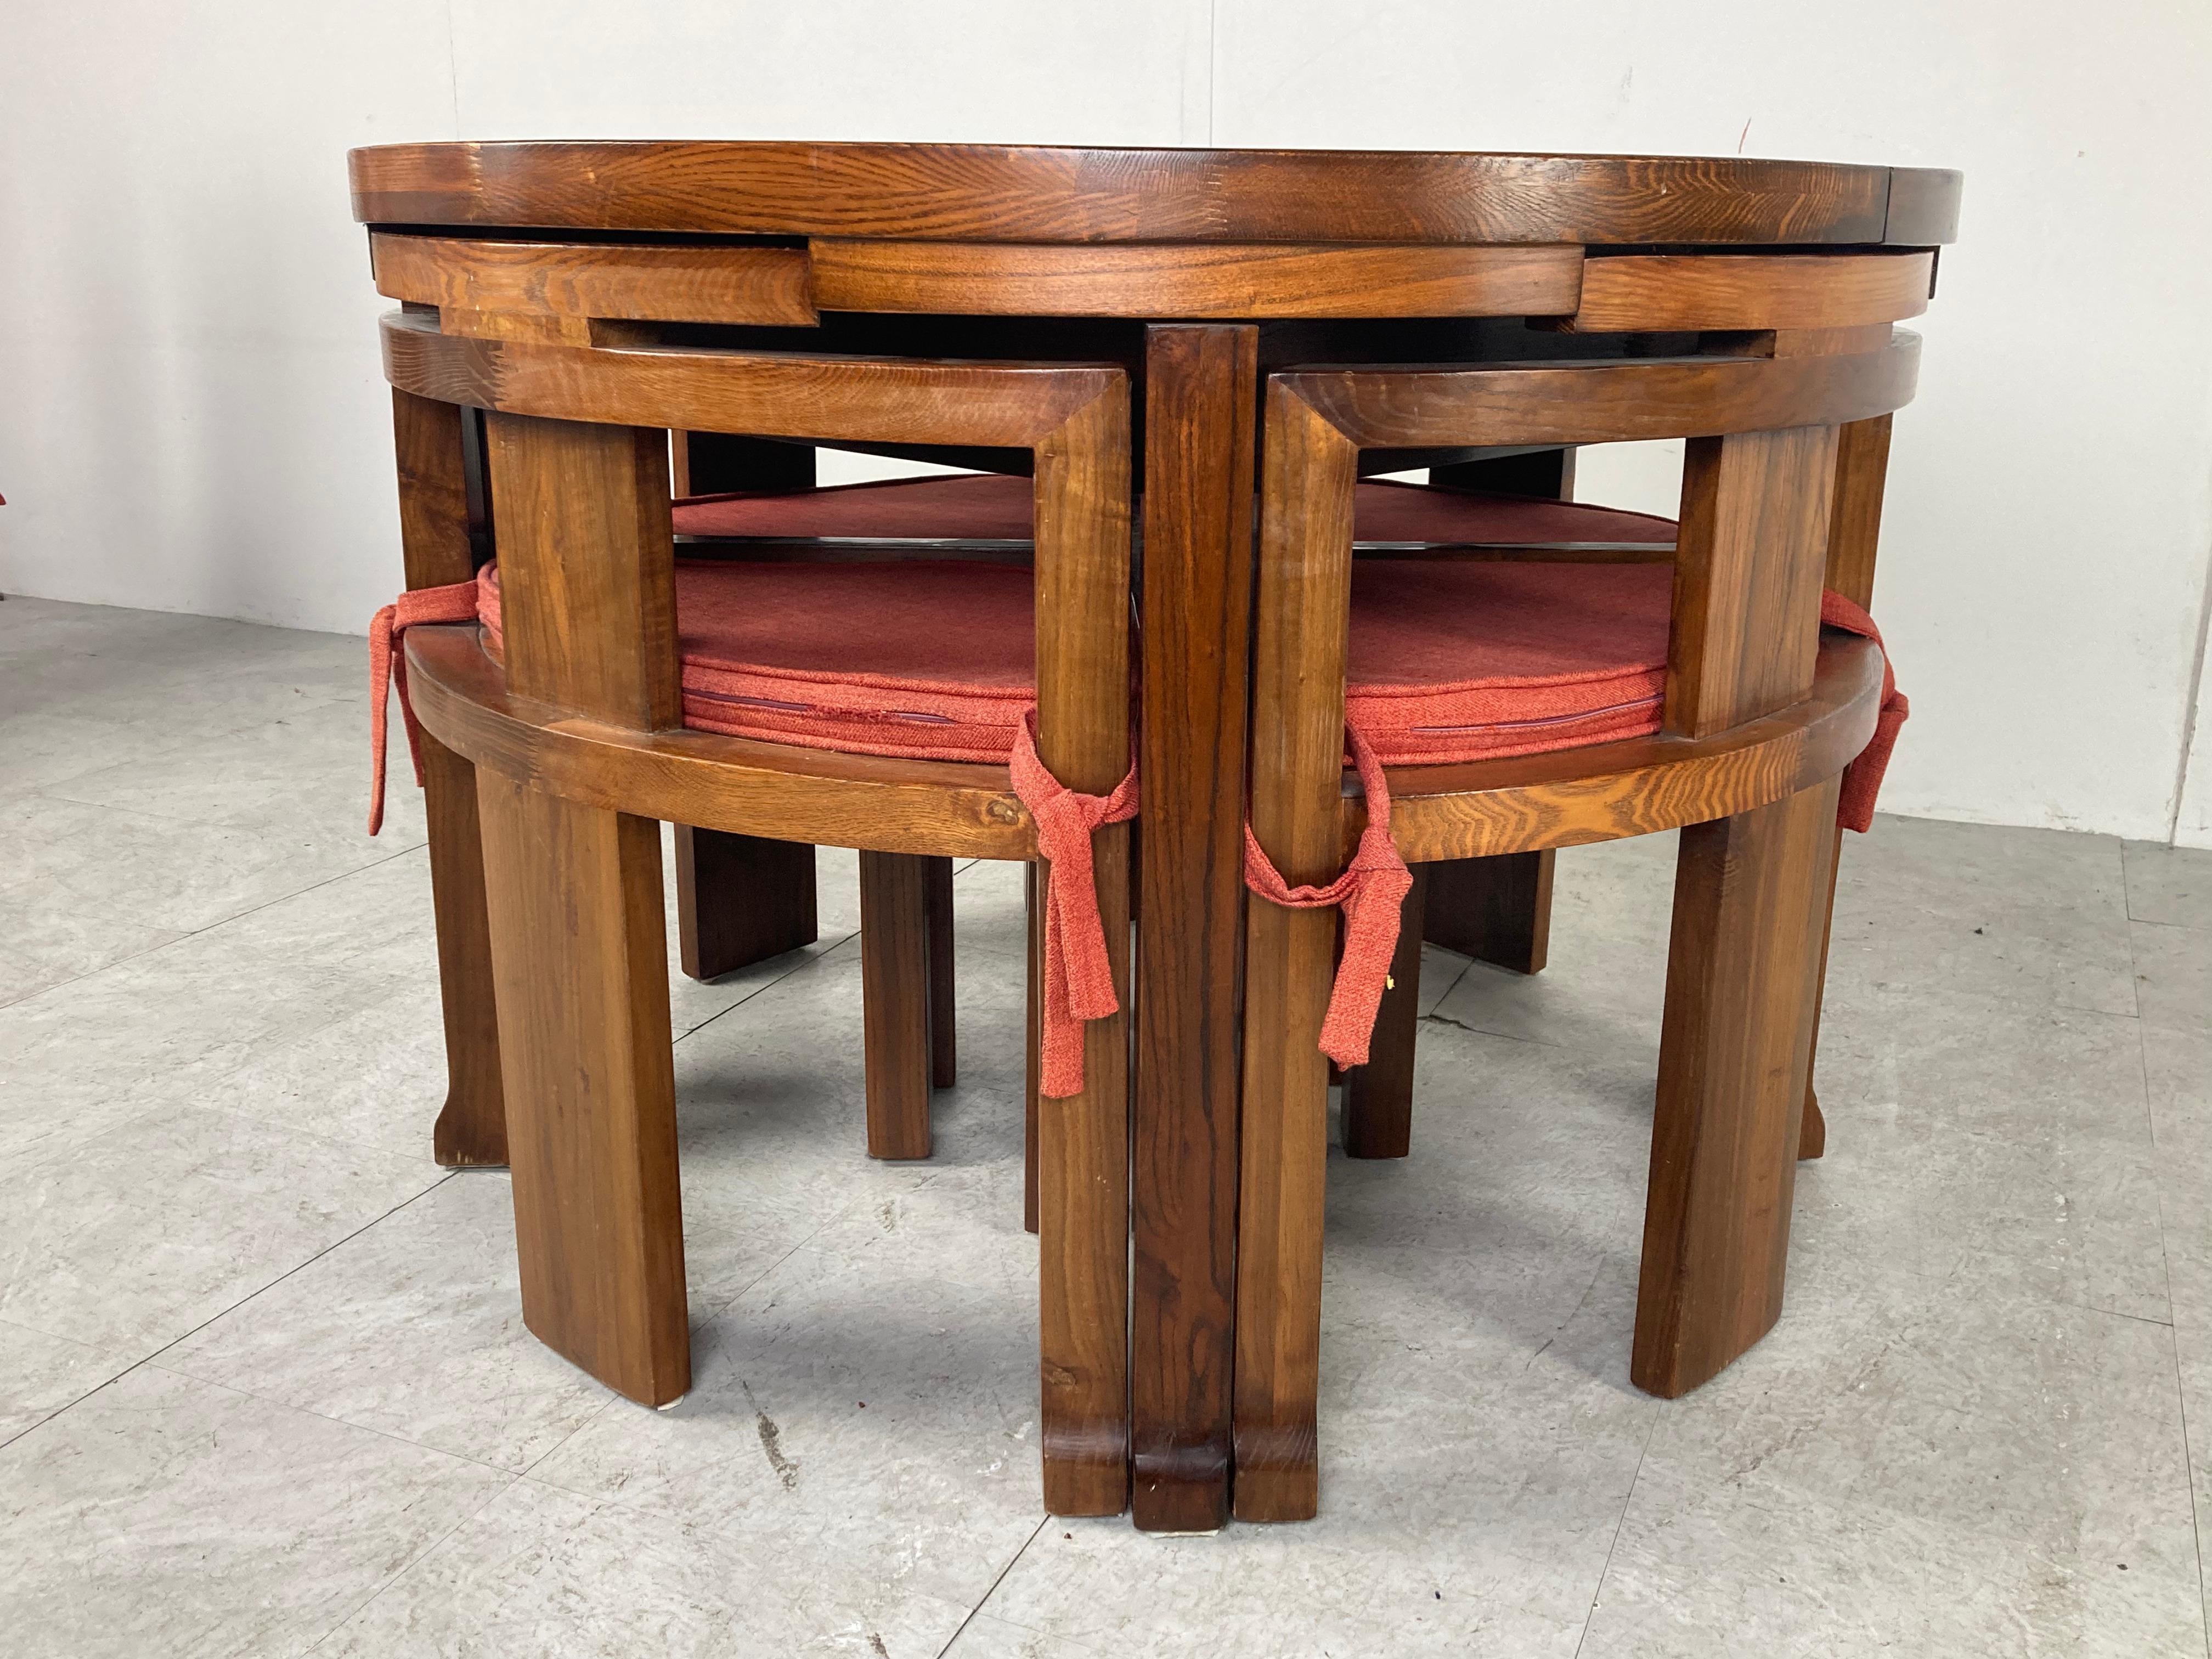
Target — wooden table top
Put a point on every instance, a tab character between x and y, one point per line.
979	192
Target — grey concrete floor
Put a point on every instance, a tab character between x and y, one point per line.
263	1389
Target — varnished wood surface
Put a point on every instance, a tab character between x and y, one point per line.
1747	563
1082	584
1300	645
1182	280
1202	405
579	948
436	540
767	394
944	1026
1602	403
1854	530
1657	292
593	634
1038	194
753	285
1735	1050
1479	809
1496	910
895	1002
700	778
1379	1096
742	899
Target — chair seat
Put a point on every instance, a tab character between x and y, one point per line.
935	659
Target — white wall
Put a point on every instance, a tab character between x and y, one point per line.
190	416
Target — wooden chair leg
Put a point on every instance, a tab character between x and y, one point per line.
1813	1136
895	1001
1083	1239
1033	1004
1082	542
1379	1096
1299	644
471	1127
1735	1049
1496	910
740	899
580	960
439	453
944	1037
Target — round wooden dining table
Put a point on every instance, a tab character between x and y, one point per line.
1766	288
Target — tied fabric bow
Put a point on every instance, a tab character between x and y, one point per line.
1863	777
1369	892
1078	977
456	603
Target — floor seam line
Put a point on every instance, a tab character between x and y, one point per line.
1597	1593
1011	1560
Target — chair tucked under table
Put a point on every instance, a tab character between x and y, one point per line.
1182	363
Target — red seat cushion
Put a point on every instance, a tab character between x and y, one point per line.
935	659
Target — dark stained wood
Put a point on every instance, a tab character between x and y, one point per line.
1187	279
716	390
733	784
1854	530
1033	1020
1300	640
895	1002
741	899
1600	402
755	285
714	463
1747	566
1082	582
943	1027
1547	472
1379	1096
1735	1046
1665	292
579	954
436	540
1481	809
1496	910
1012	194
1200	408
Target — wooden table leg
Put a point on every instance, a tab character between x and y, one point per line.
895	1002
1379	1096
431	440
578	951
1199	412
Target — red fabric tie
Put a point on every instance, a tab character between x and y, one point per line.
1371	891
1078	977
454	604
1863	777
